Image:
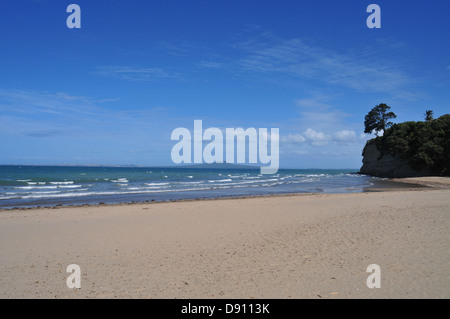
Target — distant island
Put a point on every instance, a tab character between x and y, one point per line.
409	149
219	166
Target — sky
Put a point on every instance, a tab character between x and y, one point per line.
112	91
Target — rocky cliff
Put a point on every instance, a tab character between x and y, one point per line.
376	164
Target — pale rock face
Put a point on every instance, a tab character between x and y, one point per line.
387	166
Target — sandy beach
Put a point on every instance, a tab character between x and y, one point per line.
300	246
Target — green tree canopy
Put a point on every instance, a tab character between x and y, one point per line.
378	119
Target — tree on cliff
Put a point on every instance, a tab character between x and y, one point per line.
378	119
428	115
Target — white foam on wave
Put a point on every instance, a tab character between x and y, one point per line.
189	183
316	176
120	180
72	194
247	183
220	180
9	197
62	183
235	183
69	186
47	187
156	184
146	188
38	196
134	190
236	176
36	187
353	175
267	180
307	180
128	191
45	193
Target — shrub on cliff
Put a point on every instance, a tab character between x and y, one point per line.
424	144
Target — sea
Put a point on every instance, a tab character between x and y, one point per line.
42	186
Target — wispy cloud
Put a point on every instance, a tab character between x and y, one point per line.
210	64
44	133
299	60
318	112
135	74
45	114
38	102
281	60
178	48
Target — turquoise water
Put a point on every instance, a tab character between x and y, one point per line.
28	186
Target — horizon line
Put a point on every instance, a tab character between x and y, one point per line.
168	166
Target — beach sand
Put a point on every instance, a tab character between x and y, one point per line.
302	246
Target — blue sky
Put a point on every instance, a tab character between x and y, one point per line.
113	91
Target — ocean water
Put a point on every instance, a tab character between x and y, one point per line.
31	186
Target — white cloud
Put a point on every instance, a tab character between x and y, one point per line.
299	152
345	136
318	138
314	136
309	136
293	138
